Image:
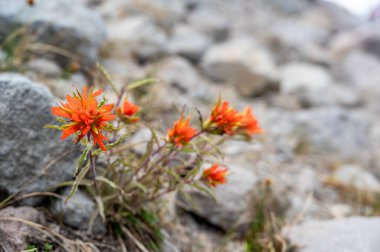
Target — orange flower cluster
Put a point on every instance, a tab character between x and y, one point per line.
226	120
85	116
215	175
128	110
181	133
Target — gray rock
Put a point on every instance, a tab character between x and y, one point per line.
45	67
15	235
331	132
181	75
188	42
78	212
61	87
208	22
339	16
352	175
339	95
343	235
339	211
370	38
141	35
299	76
243	62
165	13
360	69
168	244
80	33
123	72
233	205
291	38
141	139
31	158
291	6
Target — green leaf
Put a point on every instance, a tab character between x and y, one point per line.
200	118
82	158
99	201
139	185
149	150
139	83
117	142
78	180
102	102
49	126
204	189
194	171
109	127
61	120
173	174
154	134
110	183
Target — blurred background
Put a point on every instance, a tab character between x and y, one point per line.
309	68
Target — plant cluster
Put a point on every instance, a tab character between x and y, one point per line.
124	180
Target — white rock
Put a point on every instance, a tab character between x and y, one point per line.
78	212
139	34
45	67
298	76
232	207
66	24
332	95
340	210
361	69
188	42
165	13
352	175
181	75
210	23
344	235
244	62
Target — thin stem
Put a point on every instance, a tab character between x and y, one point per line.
108	77
92	167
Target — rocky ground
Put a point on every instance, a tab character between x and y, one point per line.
309	69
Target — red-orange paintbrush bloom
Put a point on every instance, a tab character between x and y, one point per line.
215	175
128	110
181	133
85	116
249	123
224	119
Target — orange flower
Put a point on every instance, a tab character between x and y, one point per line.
215	175
225	119
128	109
181	133
249	123
85	117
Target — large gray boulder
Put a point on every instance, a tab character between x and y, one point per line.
32	159
67	24
343	235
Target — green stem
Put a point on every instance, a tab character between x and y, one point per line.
93	168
